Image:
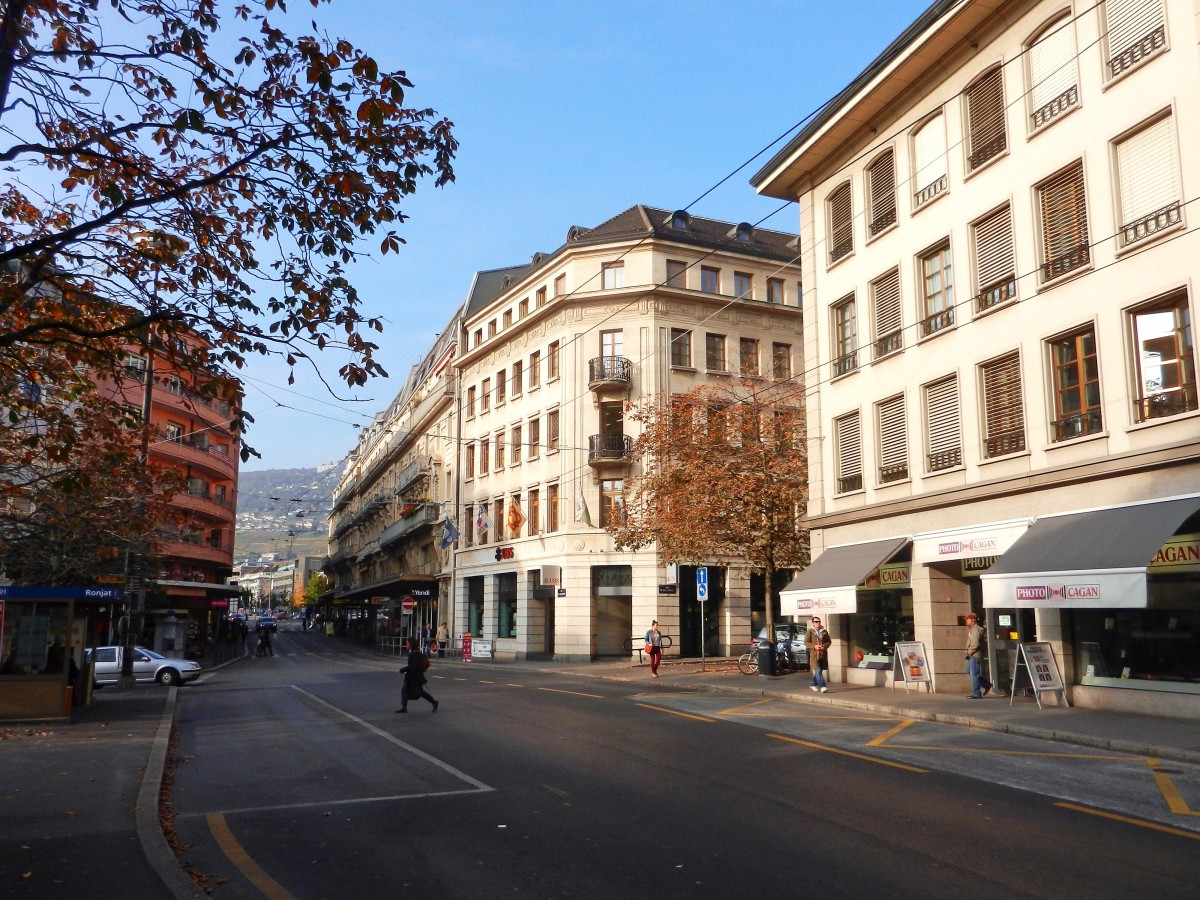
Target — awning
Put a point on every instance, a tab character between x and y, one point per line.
830	584
1086	560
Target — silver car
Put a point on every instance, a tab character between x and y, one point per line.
148	666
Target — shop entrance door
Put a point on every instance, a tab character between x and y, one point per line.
1006	629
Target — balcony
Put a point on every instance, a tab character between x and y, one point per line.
192	450
1068	99
609	449
204	502
1004	443
995	294
1127	59
987	151
848	483
845	364
897	472
889	344
931	190
609	372
1077	425
936	322
1169	402
422	517
1152	224
944	459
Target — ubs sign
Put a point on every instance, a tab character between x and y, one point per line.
1053	592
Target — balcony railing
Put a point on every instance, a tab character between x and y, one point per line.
885	219
1169	402
849	483
1077	425
841	250
994	294
1056	107
609	448
1074	258
889	343
931	190
937	321
945	459
845	363
1004	443
897	472
609	371
1159	220
987	150
1129	57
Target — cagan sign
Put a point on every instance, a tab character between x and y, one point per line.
1026	593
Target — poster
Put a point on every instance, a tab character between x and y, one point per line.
910	657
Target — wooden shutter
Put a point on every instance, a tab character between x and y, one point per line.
1148	171
893	441
1004	411
841	223
929	152
849	438
985	118
882	178
994	249
888	315
1064	222
1129	21
1052	63
941	410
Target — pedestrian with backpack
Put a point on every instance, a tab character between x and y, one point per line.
414	677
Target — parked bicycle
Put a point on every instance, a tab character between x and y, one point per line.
748	662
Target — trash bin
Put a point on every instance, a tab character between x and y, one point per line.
766	659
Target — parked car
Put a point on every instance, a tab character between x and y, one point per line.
793	635
148	666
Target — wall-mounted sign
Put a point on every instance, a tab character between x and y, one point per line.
504	553
893	576
668	588
1180	554
551	576
974	565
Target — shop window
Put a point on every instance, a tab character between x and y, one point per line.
475	605
884	618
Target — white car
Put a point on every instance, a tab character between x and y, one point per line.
148	666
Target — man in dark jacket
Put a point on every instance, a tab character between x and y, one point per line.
414	677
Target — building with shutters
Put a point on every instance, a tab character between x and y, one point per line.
998	261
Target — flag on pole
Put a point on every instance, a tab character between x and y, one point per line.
482	522
515	518
581	510
449	533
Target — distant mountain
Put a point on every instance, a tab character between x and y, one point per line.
284	510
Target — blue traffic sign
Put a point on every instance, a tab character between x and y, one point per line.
702	583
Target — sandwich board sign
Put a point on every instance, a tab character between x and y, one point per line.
913	664
1037	660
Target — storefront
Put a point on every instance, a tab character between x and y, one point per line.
1123	584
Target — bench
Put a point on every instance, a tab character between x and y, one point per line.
638	643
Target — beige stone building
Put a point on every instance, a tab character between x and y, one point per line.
999	270
651	301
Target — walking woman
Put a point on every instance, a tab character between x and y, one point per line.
414	678
654	647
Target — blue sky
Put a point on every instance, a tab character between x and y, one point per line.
566	115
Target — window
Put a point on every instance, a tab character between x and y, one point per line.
995	266
506	596
523	307
881	188
987	136
552	360
781	361
1053	82
681	347
552	507
714	353
501	386
535	438
539	298
929	160
560	285
470	462
470	402
535	369
518	378
942	429
937	291
175	432
775	290
845	337
135	367
478	336
1064	223
742	285
748	353
534	513
612	344
499	450
612	275
888	319
710	280
508	318
516	445
1135	30
612	502
1166	362
552	429
847	432
485	395
485	454
1076	386
1148	173
841	223
498	527
676	273
492	328
1003	407
893	440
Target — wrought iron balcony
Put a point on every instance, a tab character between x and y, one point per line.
609	371
1004	443
1169	402
1077	425
849	483
606	449
945	459
997	293
936	322
889	343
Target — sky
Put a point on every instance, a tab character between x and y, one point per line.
566	114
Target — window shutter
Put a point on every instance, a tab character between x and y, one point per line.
849	435
893	445
1064	222
941	400
841	223
1129	21
888	317
985	118
882	175
1148	171
1004	412
1052	63
929	150
994	249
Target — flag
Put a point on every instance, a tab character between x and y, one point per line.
482	522
515	518
449	533
581	510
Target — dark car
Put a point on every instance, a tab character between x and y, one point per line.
266	624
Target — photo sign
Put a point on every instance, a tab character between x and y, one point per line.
1038	660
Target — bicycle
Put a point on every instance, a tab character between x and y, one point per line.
748	662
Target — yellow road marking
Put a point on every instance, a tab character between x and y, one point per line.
1174	799
879	741
573	693
1017	753
676	712
1178	832
737	709
510	684
882	762
241	859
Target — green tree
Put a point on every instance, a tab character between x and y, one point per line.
724	479
316	585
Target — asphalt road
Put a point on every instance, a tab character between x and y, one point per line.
295	778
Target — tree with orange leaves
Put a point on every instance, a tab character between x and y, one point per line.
724	479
